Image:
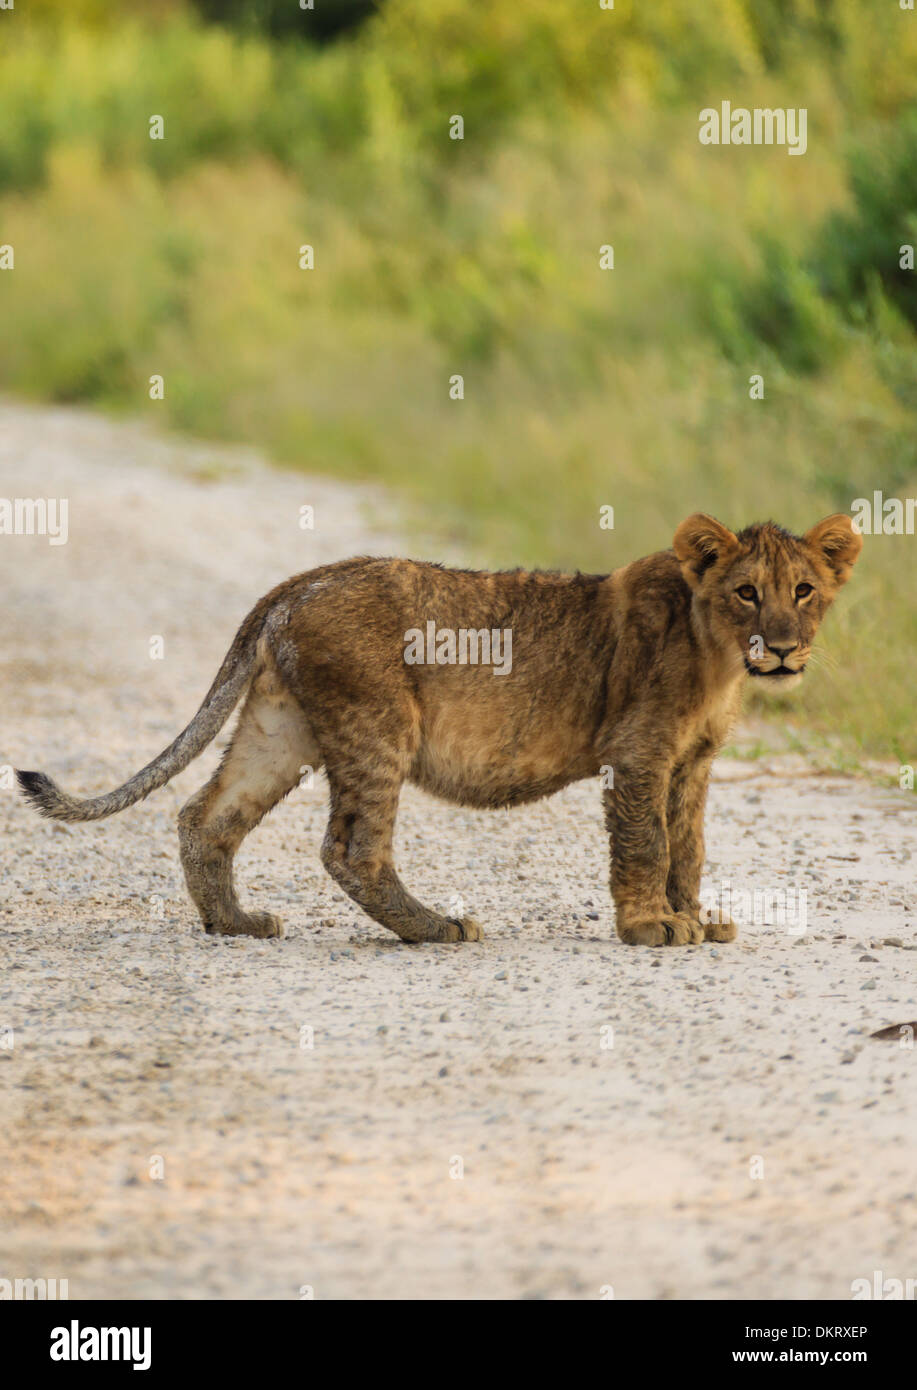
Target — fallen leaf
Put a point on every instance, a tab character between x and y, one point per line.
894	1030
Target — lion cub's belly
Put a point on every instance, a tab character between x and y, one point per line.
492	765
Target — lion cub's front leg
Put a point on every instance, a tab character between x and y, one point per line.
685	821
635	812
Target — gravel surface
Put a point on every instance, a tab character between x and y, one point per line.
548	1114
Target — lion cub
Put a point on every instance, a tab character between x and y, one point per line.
490	690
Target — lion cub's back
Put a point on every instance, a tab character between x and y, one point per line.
502	688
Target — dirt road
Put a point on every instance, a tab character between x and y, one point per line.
549	1114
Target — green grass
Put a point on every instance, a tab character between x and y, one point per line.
434	257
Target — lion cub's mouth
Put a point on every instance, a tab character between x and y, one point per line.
775	673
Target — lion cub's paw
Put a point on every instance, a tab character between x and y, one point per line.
724	930
465	929
720	931
248	924
265	924
677	929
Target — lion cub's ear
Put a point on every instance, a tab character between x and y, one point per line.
699	542
836	540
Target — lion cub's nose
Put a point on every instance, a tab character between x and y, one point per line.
782	652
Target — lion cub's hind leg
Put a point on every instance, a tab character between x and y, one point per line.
271	745
357	850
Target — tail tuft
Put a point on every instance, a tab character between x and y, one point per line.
45	795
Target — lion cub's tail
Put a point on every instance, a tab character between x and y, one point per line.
220	701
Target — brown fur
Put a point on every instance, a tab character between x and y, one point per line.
639	671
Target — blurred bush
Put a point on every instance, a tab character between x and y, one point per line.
288	19
857	273
860	247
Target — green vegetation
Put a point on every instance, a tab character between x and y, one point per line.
434	257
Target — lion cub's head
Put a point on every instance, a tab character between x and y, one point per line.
762	593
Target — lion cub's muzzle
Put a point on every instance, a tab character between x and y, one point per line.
782	664
778	668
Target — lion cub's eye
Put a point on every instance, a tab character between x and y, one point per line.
748	593
803	590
